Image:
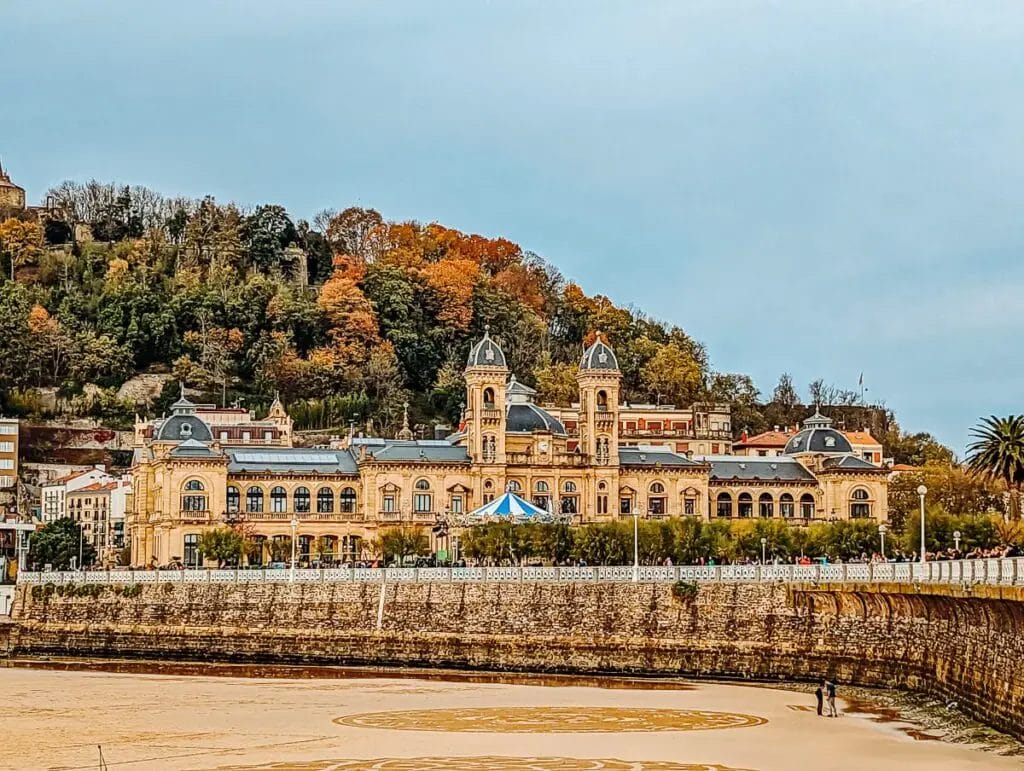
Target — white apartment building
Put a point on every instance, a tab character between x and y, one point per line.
54	493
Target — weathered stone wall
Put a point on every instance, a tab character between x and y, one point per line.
967	646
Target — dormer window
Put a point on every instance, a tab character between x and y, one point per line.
186	431
830	441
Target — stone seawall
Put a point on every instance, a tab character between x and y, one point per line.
959	644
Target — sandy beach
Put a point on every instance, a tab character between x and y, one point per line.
61	719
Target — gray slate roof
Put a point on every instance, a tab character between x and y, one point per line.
779	469
290	460
599	356
528	417
180	427
427	452
191	448
649	456
486	353
851	463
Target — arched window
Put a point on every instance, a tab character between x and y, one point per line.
324	500
489	398
860	504
656	505
541	486
602	401
724	505
746	505
278	500
569	487
254	499
194	484
786	505
766	506
807	506
490	448
422	500
234	499
193	498
514	486
657	487
347	500
302	500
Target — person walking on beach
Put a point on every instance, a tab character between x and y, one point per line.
819	694
831	688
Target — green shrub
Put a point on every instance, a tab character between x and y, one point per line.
684	591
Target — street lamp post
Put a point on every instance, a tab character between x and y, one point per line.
764	543
295	527
921	491
636	545
882	530
956	539
81	542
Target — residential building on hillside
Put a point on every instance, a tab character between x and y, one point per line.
9	453
773	443
12	196
186	479
89	506
54	493
229	426
701	429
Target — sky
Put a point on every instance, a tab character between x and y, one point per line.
816	188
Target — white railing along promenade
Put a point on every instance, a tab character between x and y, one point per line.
997	572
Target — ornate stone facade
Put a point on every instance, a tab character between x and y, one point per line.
191	473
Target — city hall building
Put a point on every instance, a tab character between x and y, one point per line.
202	467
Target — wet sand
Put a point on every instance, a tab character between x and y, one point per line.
57	720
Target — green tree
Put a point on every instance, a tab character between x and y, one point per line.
223	544
57	543
672	375
998	453
396	543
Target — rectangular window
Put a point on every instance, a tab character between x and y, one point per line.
714	449
191	550
268	436
223	435
806	509
602	504
456	504
625	505
6	481
786	509
421	502
8	428
689	507
6	463
388	504
724	507
246	436
9	447
488	497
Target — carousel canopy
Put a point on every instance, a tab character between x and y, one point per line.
510	507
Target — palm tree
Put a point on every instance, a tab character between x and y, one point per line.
998	453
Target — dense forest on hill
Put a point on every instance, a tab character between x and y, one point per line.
346	317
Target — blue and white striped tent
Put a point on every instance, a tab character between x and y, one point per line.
509	507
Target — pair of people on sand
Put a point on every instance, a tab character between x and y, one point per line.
826	690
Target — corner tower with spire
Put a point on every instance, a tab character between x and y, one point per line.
486	375
599	382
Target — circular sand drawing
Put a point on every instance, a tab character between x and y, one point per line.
481	763
550	720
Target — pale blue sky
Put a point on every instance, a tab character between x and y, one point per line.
813	187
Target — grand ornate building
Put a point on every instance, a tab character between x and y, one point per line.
200	468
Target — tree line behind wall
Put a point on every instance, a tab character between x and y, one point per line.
347	317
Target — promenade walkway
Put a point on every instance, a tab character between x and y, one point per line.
996	572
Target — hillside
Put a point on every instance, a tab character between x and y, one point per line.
346	317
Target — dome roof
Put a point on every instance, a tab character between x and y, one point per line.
486	353
526	418
818	436
181	427
599	356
